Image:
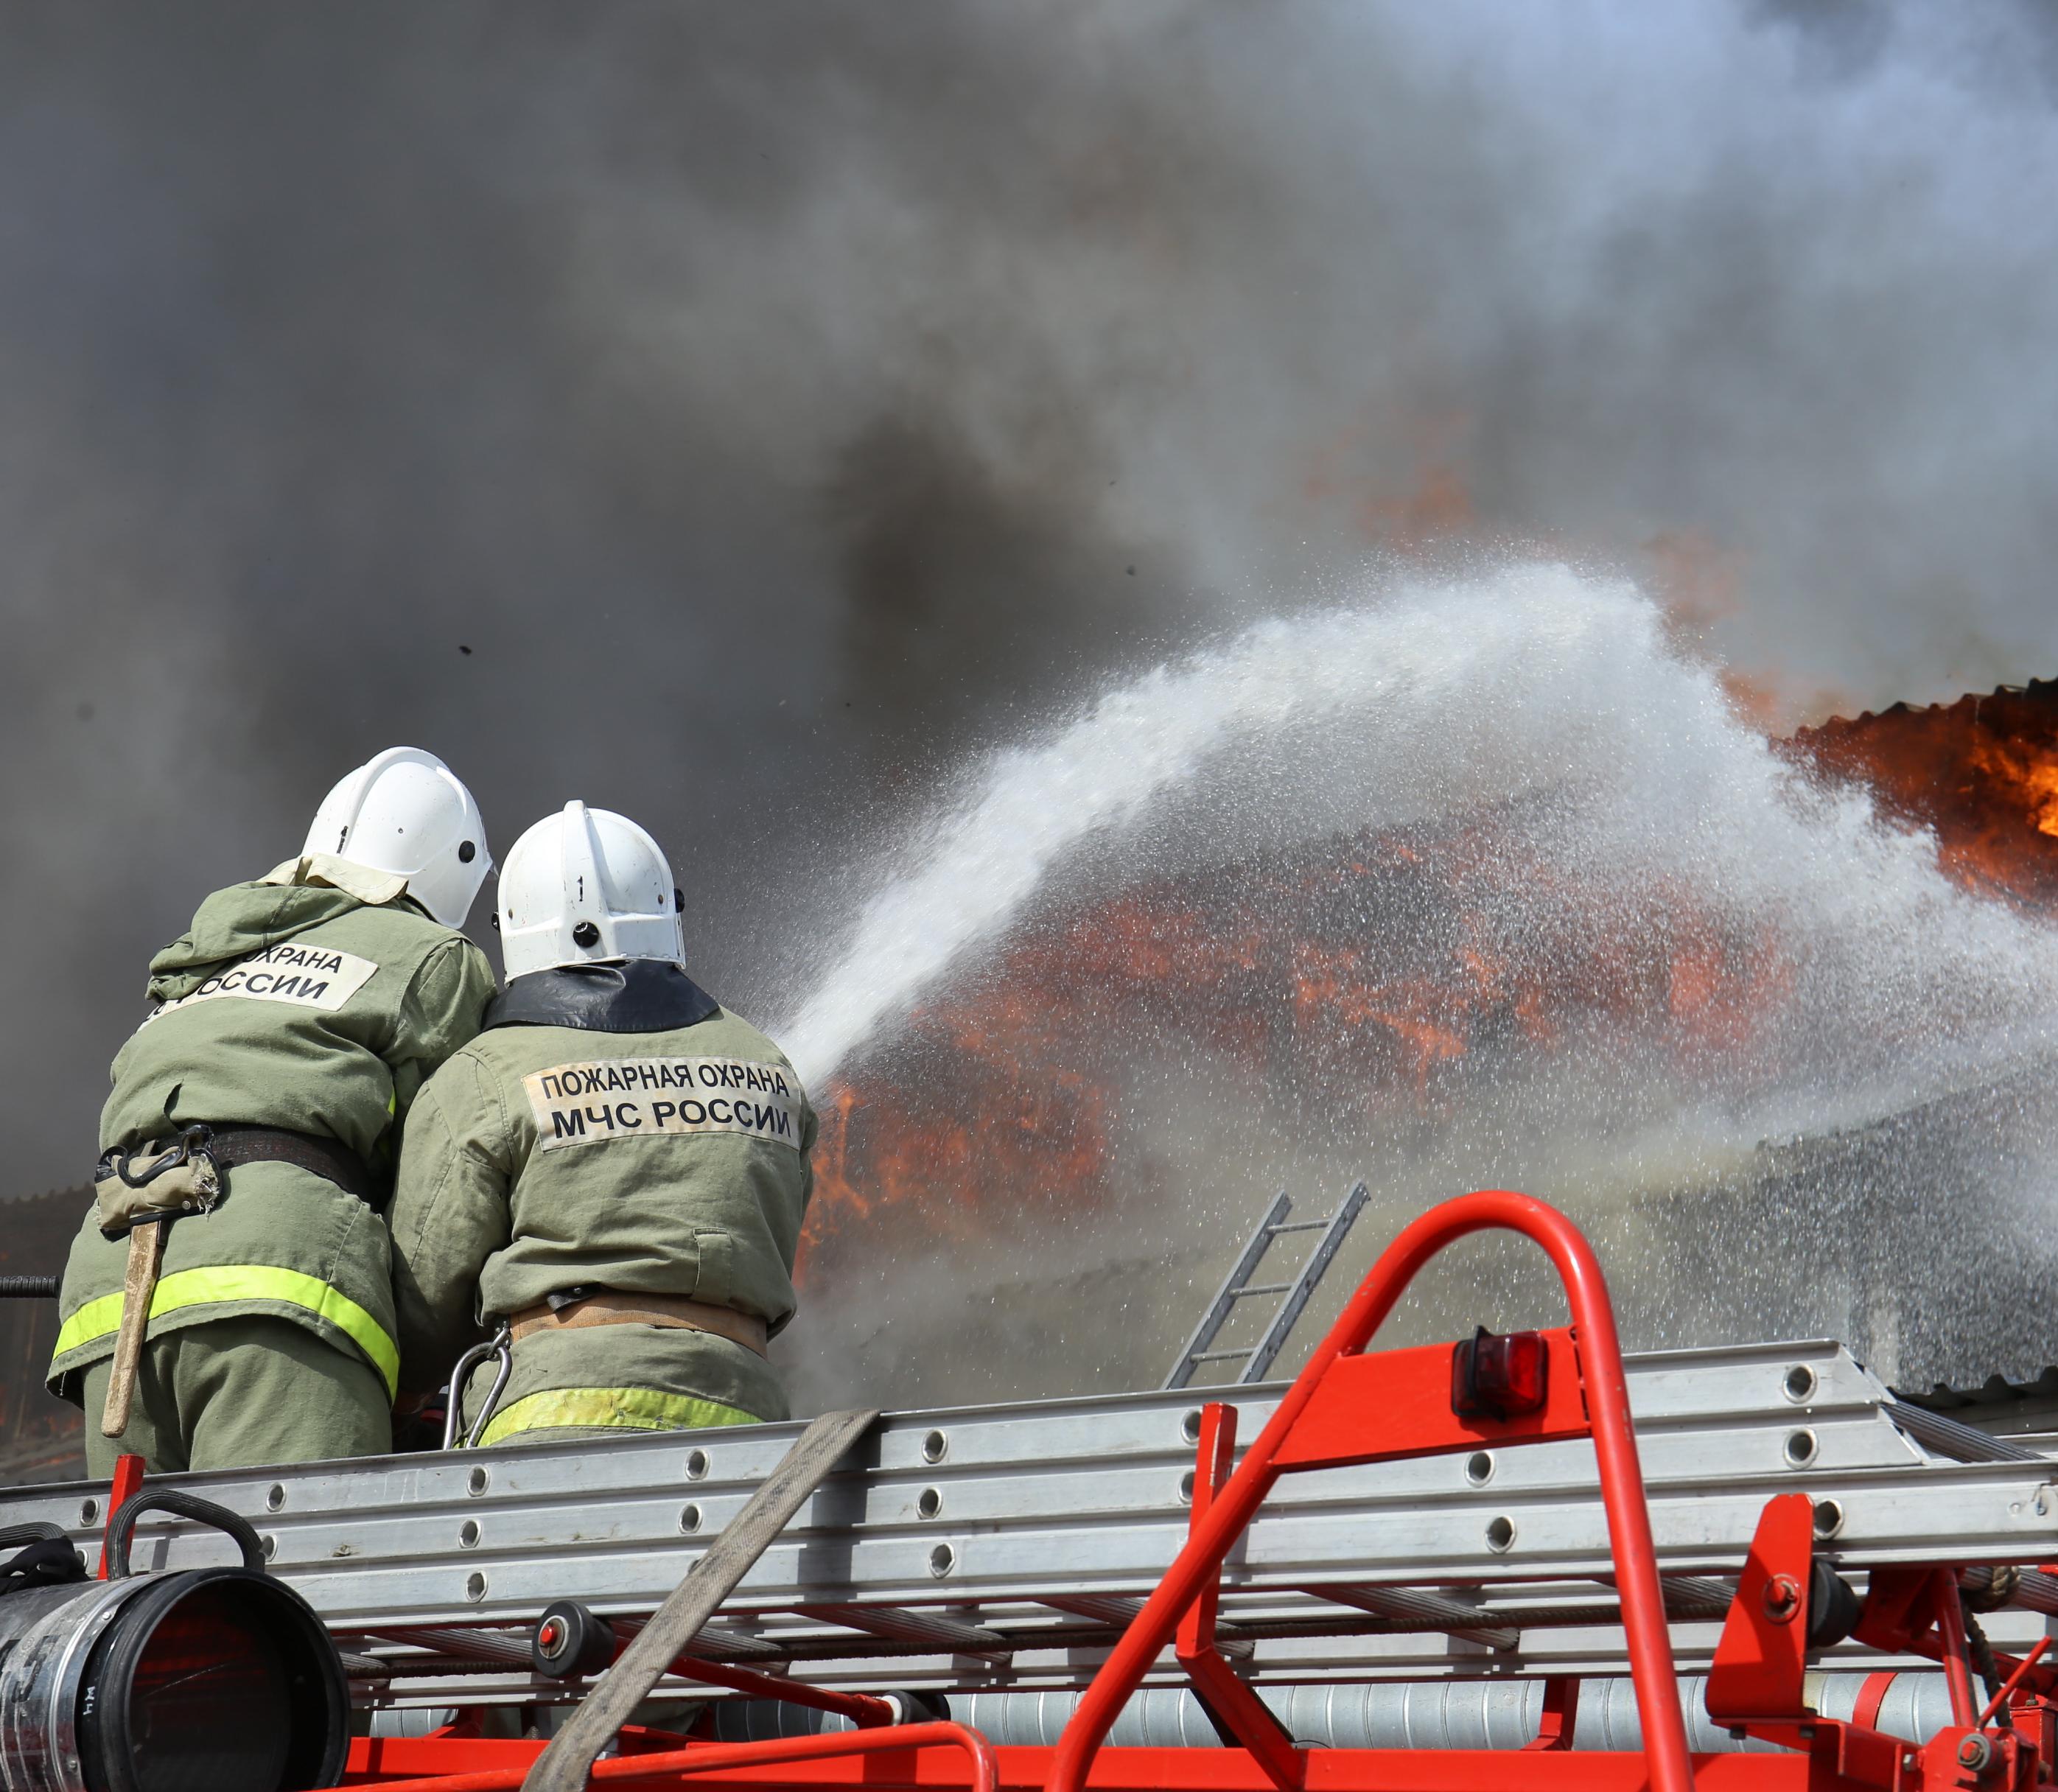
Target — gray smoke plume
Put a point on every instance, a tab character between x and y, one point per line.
730	415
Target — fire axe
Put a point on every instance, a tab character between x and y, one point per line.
139	1287
140	1194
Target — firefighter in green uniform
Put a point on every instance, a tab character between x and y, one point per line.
611	1176
295	1021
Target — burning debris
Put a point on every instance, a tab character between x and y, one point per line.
1379	978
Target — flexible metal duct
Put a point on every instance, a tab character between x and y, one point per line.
1382	1714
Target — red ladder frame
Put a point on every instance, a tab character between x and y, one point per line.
1347	1408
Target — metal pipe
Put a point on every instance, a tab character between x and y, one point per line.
1951	1629
2006	1690
702	1757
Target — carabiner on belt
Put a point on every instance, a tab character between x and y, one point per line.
501	1345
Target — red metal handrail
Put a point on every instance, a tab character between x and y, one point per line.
1614	1447
711	1757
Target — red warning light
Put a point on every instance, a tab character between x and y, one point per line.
1499	1377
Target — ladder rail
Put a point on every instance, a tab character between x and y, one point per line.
1226	1296
1295	1291
1290	1309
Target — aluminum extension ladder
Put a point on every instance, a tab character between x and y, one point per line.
1294	1293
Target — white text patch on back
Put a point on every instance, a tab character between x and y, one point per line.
305	976
640	1097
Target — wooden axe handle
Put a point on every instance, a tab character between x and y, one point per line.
146	1253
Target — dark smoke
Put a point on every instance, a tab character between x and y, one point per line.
776	399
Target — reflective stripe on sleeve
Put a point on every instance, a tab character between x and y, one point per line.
624	1408
247	1281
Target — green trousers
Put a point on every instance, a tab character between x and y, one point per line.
240	1393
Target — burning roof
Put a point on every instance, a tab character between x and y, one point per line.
1981	773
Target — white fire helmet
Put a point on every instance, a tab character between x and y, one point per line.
583	887
404	812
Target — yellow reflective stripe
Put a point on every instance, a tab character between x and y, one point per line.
627	1408
95	1319
247	1281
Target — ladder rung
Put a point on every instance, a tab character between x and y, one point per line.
1102	1608
1301	1225
897	1626
1262	1288
1218	1357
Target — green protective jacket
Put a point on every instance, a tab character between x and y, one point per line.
561	1150
318	999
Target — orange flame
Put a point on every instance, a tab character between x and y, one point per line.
1982	772
2033	779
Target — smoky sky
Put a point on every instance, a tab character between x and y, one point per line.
779	402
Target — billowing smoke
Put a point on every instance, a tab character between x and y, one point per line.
733	415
